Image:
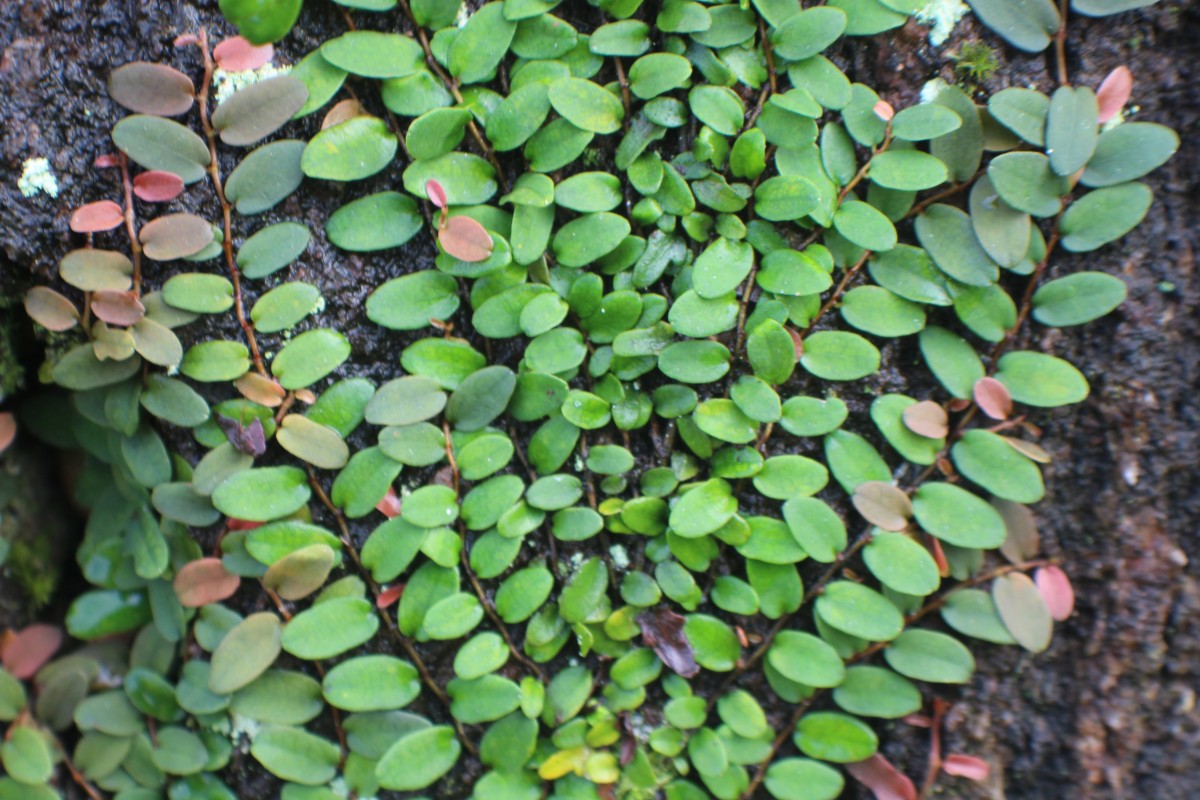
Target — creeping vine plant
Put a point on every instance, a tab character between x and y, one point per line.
686	486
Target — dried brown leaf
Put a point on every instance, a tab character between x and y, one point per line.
1032	451
260	389
662	630
345	110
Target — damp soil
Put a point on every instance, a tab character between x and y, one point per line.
1109	712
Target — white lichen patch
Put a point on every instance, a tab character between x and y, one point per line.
37	176
932	89
226	83
620	557
941	16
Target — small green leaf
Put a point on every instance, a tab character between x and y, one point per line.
349	151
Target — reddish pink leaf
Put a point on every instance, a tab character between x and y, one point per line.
204	581
662	629
157	186
939	555
437	195
927	419
25	653
1114	93
8	430
969	767
797	343
236	54
918	720
884	780
466	239
185	39
883	109
389	506
102	215
117	308
235	524
105	161
1056	590
389	596
993	398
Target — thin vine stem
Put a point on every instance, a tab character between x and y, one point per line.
135	246
214	170
389	623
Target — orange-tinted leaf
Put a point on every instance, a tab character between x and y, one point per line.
342	111
884	780
883	109
993	398
662	630
102	215
389	506
50	309
29	649
1114	93
1022	541
204	581
1034	452
436	194
8	430
260	389
236	54
1056	590
306	396
969	767
151	89
106	161
389	596
175	236
1023	611
117	308
927	418
883	505
157	186
465	239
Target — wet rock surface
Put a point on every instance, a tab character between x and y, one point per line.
1110	710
